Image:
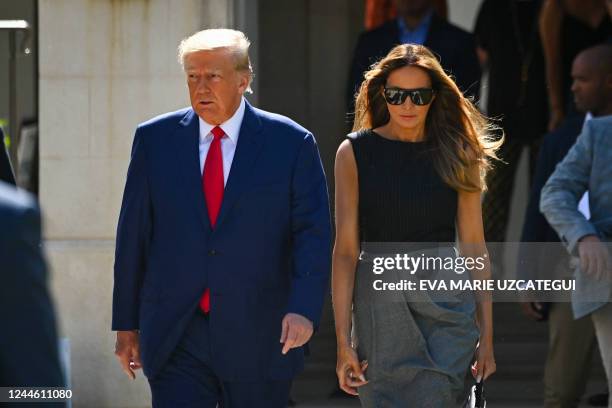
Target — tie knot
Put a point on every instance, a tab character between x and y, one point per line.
217	132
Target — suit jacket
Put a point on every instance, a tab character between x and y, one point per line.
6	172
268	255
553	149
28	343
587	166
455	47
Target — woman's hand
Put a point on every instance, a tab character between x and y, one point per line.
555	118
349	370
484	365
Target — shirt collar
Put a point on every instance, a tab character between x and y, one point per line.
423	25
230	127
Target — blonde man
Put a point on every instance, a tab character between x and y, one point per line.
223	244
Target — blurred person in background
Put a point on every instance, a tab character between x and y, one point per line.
571	342
29	351
588	167
378	12
510	51
566	28
417	23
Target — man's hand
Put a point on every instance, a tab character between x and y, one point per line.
594	258
296	331
532	310
127	351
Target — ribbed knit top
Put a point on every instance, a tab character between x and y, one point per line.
402	198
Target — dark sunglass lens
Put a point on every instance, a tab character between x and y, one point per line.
421	96
395	96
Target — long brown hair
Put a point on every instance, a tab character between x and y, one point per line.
463	137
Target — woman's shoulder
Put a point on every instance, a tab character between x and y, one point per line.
360	140
356	144
359	135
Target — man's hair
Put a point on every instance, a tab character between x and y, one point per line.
219	38
600	57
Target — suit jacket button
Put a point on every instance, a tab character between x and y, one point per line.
212	252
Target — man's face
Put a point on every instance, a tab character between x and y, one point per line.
215	86
412	7
590	86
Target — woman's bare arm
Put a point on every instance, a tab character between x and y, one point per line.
346	247
349	369
472	244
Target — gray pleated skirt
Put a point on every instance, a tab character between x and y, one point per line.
419	349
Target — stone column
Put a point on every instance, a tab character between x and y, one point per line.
105	66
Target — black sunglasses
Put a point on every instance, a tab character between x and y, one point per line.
397	96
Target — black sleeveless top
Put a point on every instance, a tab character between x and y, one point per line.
402	198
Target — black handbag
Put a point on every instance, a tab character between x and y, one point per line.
476	399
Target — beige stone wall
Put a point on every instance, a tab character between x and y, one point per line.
104	67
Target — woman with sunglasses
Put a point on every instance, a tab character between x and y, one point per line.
412	172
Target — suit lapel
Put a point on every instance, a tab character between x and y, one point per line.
432	40
187	142
391	35
249	145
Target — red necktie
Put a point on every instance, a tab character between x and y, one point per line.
212	183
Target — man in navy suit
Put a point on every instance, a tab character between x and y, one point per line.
29	354
417	23
223	244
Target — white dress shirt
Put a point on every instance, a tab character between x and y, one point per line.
231	127
583	204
